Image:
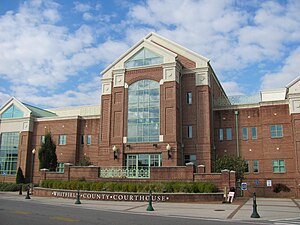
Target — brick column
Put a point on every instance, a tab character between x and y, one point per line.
232	179
67	170
225	177
201	169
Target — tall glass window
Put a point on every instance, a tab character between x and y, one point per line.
9	153
143	111
254	132
62	139
245	133
12	112
221	134
190	131
229	134
255	166
189	98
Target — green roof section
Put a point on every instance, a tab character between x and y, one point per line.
37	112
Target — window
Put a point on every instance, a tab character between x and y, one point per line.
82	139
245	133
246	166
221	135
190	131
60	168
143	111
255	166
278	166
12	112
189	98
62	140
137	165
190	158
144	57
42	139
88	139
229	134
276	131
254	133
9	143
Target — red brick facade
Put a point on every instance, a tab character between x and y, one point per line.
187	73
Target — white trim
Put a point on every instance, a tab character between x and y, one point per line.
17	103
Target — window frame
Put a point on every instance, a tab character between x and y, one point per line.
276	131
189	98
221	134
88	139
255	166
245	134
229	135
189	131
254	137
281	168
62	139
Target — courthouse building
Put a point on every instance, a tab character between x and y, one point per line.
162	105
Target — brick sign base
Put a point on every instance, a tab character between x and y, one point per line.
133	197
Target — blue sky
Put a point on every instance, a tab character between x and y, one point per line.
52	52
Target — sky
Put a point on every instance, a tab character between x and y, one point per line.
53	51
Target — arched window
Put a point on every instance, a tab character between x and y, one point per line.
143	111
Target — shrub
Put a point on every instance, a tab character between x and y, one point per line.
168	187
281	187
12	187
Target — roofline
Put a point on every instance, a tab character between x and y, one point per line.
178	45
146	38
293	82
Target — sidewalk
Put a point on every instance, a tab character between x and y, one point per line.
269	209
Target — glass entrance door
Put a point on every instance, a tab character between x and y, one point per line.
138	165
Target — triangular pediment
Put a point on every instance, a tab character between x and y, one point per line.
294	86
14	109
159	46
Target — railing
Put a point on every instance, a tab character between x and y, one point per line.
124	172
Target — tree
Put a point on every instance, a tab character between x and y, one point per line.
234	163
47	154
20	179
85	161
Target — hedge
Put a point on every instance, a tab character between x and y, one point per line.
167	187
12	187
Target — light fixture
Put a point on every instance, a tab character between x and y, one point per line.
168	147
115	149
33	151
155	145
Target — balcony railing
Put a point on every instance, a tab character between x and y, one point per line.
124	172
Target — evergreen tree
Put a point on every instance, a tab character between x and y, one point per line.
234	163
47	154
20	179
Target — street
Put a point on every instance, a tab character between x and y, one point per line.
15	212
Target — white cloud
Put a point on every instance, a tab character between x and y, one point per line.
232	88
82	7
287	73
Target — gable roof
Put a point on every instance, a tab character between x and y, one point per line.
28	110
164	47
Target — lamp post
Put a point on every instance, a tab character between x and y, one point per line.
32	168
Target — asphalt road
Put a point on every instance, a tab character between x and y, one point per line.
13	212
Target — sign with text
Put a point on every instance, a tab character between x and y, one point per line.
111	196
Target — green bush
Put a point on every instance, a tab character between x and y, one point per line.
167	187
12	187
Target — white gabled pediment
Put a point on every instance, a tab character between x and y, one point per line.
294	86
18	109
167	56
200	60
